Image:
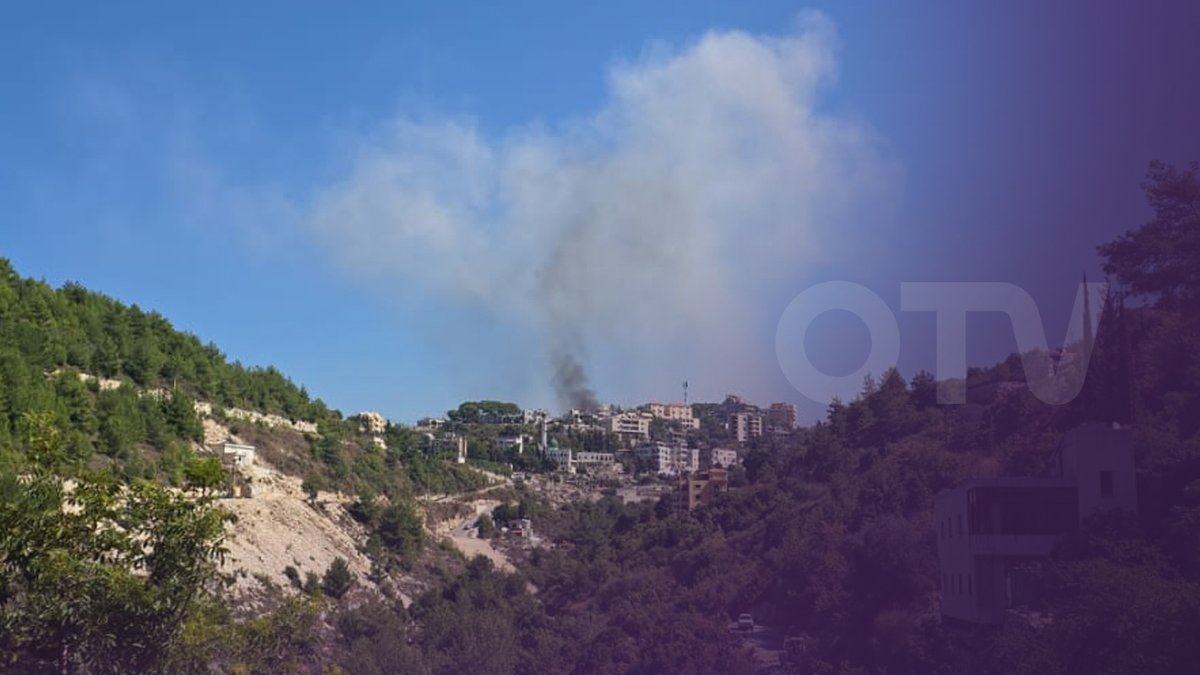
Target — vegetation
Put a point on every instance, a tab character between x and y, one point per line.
829	533
97	576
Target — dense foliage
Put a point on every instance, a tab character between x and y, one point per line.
832	538
830	535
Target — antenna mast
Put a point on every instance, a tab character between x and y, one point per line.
685	386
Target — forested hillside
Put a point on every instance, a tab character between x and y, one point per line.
48	337
831	534
828	534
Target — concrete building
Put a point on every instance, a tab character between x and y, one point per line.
449	443
686	460
430	423
563	457
595	458
781	418
988	530
718	457
701	489
668	460
745	426
534	416
509	442
677	412
660	456
238	454
371	422
629	425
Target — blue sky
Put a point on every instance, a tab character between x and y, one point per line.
242	168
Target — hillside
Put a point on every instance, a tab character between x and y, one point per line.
113	514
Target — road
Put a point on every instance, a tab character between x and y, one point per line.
473	546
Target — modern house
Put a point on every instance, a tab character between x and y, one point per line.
989	529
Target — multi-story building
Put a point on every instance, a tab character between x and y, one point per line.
508	442
629	425
447	443
371	422
781	418
745	426
701	489
660	456
669	460
563	457
594	458
534	416
718	457
990	530
677	412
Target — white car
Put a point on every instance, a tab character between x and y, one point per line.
745	622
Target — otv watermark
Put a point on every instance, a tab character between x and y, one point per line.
1048	377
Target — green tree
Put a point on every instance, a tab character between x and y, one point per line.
312	484
338	578
1161	259
487	528
401	529
98	577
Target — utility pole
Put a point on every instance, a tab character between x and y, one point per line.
685	388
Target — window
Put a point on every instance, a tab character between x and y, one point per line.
1106	484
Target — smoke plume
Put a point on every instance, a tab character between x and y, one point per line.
644	235
571	385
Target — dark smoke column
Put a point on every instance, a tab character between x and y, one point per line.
571	384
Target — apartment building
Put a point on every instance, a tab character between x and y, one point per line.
701	489
677	412
745	426
781	418
629	425
669	460
989	531
718	457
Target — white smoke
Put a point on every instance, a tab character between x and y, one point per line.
649	231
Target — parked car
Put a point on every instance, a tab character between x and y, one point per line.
745	622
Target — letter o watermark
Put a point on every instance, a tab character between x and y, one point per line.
859	300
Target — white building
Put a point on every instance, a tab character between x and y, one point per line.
594	458
430	423
534	416
722	457
563	457
238	454
669	460
633	425
508	442
989	529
